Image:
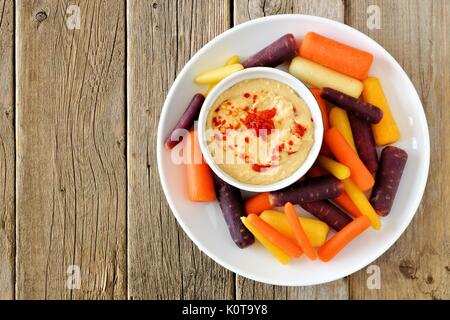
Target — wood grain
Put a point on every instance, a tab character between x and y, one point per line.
162	262
7	151
418	265
247	10
71	168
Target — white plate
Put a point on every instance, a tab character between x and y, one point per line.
203	222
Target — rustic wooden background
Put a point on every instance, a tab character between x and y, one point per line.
78	178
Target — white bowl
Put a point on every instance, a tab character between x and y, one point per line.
204	223
262	73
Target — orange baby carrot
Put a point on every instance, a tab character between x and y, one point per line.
300	235
322	106
336	55
347	204
316	171
258	203
199	177
342	238
360	175
274	236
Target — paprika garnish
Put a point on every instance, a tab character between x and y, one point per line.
260	167
260	120
299	130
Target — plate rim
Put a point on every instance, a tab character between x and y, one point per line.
304	282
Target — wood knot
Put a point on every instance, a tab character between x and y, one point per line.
120	141
41	16
408	269
154	5
429	279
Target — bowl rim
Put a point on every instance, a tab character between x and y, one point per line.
262	73
305	282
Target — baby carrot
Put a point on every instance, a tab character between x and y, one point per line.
386	131
336	55
300	235
233	60
345	155
258	203
323	107
362	203
230	61
199	177
218	74
274	236
342	238
273	249
211	86
310	190
320	77
339	120
316	230
316	171
335	168
347	204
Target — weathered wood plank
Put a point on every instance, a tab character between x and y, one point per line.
162	262
245	10
71	168
7	151
417	34
251	9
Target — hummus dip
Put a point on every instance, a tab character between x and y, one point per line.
259	131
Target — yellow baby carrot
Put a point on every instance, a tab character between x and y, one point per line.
218	74
211	86
230	61
319	76
315	230
339	120
273	249
335	168
233	60
386	131
362	203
